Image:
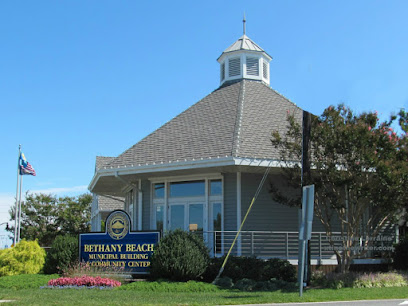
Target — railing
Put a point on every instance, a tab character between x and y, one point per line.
264	244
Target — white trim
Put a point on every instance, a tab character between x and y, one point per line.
190	165
181	178
166	207
238	212
206	208
204	199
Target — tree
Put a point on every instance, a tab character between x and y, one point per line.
75	214
43	216
359	169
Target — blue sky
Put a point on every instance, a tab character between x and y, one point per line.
85	78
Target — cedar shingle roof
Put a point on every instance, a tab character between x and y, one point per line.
236	120
102	161
110	203
107	203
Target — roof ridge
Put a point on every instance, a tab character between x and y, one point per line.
238	121
277	92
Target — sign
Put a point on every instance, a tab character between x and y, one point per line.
305	233
118	247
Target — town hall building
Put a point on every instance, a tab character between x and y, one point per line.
199	171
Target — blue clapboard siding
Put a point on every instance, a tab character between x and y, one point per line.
230	202
266	214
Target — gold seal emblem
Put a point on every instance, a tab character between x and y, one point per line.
118	225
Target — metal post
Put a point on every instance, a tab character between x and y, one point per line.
287	246
16	206
19	210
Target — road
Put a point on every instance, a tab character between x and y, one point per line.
343	303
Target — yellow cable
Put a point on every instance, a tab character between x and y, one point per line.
242	224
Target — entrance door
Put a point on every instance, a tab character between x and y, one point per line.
188	216
177	218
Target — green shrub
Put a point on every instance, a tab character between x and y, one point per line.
251	268
400	255
64	253
179	256
359	280
245	284
224	282
25	281
280	269
318	279
27	257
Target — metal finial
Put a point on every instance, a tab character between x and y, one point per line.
244	21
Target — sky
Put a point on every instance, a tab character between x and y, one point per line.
80	79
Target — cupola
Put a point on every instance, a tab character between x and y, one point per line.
244	59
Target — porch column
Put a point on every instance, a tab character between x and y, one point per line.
98	222
239	212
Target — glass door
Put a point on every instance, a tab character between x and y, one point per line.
196	217
187	216
177	217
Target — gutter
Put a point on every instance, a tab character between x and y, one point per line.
182	165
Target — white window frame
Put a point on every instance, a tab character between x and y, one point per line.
167	201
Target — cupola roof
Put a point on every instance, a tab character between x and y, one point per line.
244	43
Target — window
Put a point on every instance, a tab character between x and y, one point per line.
234	67
190	205
252	66
196	216
159	217
158	191
216	226
215	187
177	217
216	216
187	189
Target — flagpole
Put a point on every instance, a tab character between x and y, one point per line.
16	206
19	209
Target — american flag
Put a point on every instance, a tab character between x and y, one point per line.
25	167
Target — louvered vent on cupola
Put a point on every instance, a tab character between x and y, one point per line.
222	72
252	66
265	70
234	67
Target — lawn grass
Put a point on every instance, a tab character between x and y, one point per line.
24	290
219	297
